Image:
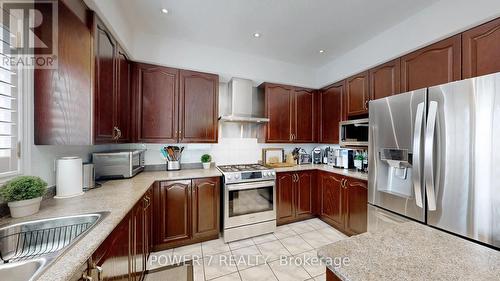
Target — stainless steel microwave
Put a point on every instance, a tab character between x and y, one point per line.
118	164
353	132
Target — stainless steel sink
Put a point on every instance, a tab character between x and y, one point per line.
28	248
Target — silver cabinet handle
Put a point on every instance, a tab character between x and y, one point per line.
417	143
85	277
99	273
429	150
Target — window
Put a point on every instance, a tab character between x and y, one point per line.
10	112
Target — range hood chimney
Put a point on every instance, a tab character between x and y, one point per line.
245	103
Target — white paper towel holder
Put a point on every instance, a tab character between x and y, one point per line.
69	178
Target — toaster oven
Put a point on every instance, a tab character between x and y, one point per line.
118	164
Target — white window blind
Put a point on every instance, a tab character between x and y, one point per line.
10	121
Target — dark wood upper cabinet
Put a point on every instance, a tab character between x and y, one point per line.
206	211
357	93
356	200
105	49
304	194
198	108
62	96
172	212
481	50
123	102
436	64
278	107
304	122
330	112
156	97
285	197
385	80
331	199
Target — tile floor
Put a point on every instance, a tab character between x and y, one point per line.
260	258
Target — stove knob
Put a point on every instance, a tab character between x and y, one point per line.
236	176
273	173
267	174
229	177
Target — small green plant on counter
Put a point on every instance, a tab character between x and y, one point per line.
23	188
206	158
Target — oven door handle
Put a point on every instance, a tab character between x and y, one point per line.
249	185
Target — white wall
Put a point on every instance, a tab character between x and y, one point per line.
226	63
436	22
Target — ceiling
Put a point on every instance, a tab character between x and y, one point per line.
291	30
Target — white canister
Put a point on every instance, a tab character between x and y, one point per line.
69	181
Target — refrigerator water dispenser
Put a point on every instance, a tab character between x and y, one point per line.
399	180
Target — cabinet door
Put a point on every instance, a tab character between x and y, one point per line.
304	195
123	97
105	88
356	206
436	64
331	199
113	255
357	94
172	206
206	207
303	115
279	100
330	114
480	48
385	80
285	197
157	94
198	109
138	252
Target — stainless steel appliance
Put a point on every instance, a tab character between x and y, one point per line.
249	198
343	158
88	176
317	155
354	132
243	104
118	164
433	157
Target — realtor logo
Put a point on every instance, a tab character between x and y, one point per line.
29	34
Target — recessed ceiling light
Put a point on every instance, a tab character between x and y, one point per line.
321	51
256	35
165	11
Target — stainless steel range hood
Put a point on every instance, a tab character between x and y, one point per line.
245	103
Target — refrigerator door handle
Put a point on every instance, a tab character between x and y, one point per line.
429	161
417	142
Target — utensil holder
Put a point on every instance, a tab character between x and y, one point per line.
173	165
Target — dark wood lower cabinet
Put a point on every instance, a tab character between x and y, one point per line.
186	212
123	255
295	194
343	202
330	276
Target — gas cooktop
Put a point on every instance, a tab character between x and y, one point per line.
246	173
242	168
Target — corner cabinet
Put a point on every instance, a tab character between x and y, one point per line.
173	105
296	196
186	212
343	202
291	113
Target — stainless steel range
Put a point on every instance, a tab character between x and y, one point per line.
249	198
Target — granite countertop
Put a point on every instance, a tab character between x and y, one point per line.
118	197
326	168
411	251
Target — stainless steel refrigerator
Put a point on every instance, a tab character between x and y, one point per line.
434	157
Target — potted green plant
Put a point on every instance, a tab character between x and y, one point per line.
23	195
206	159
